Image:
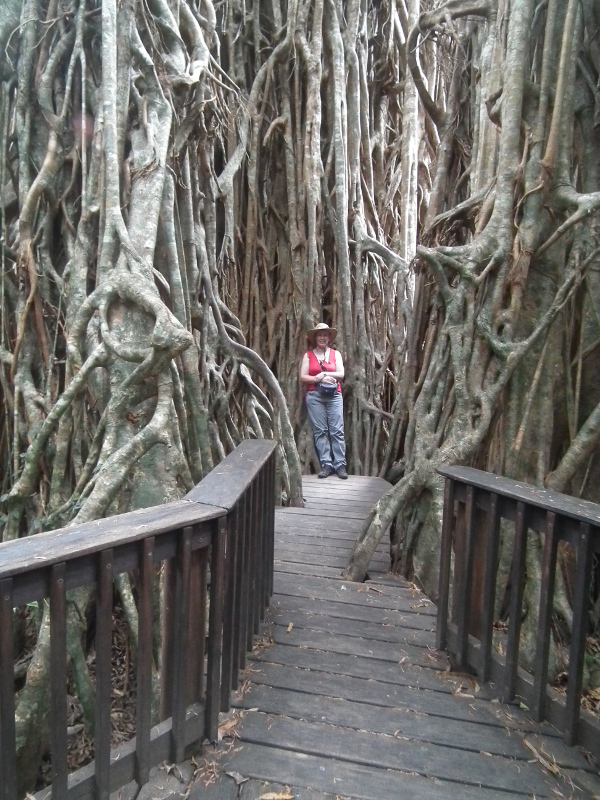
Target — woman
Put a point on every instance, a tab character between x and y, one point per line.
321	371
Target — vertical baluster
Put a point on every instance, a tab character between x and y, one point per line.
241	590
104	607
196	631
464	582
144	662
215	631
580	622
253	619
202	627
489	586
271	527
545	617
58	680
516	603
180	643
445	562
8	756
261	525
246	643
229	625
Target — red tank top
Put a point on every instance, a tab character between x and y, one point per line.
315	367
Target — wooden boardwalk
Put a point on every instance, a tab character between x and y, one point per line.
348	697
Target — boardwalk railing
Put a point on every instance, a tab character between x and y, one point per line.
228	519
475	502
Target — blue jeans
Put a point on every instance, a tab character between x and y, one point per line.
326	417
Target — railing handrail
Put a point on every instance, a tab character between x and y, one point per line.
62	544
546	499
481	500
227	519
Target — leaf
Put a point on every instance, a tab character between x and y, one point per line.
239	779
523	707
550	766
277	796
227	727
290	626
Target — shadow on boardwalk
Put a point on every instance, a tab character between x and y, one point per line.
347	696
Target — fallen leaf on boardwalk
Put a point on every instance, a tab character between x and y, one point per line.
550	766
276	796
227	728
290	626
239	779
461	691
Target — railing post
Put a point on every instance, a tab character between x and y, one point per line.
144	662
102	729
492	529
8	755
229	607
445	562
516	603
58	680
542	651
215	631
241	590
580	620
181	627
271	471
464	569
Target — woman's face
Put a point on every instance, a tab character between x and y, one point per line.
322	339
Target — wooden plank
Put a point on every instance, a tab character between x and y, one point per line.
295	531
348	780
364	613
306	542
383	651
315	513
308	569
290	555
369	692
310	482
404	674
333	663
406	723
348	592
387	752
373	632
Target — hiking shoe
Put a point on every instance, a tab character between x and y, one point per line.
341	473
326	471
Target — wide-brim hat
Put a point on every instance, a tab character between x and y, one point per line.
322	327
